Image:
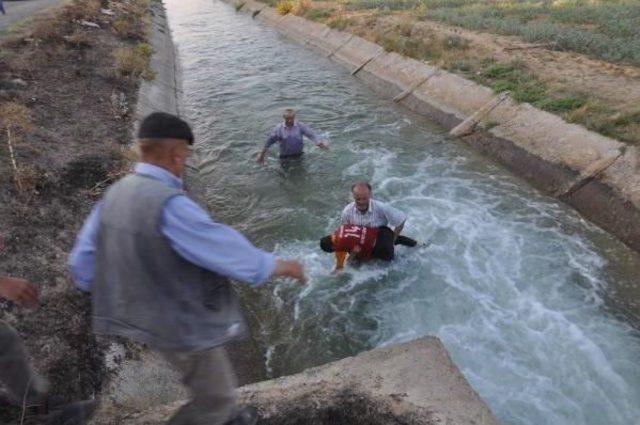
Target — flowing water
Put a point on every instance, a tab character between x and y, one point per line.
536	306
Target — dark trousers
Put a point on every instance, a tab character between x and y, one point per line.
16	373
384	248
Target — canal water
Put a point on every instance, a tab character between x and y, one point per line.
537	307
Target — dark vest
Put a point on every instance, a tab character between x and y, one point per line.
143	289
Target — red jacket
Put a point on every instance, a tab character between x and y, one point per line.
348	236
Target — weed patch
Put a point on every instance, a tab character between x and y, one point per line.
133	61
318	14
284	7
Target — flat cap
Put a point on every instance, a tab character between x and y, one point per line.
161	125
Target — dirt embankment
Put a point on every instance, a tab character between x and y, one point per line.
68	82
601	95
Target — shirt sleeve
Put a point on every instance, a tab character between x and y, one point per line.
274	136
394	216
309	132
344	217
82	260
213	246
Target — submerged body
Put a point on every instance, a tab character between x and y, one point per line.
362	243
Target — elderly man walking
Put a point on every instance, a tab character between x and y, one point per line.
289	134
158	268
367	212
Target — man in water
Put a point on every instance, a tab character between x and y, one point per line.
158	268
289	134
364	211
363	243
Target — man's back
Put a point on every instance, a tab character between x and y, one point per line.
143	289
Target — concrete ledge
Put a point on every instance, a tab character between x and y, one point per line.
161	93
565	160
410	383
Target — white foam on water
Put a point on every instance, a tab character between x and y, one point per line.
515	299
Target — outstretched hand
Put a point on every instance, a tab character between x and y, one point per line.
323	145
290	268
20	291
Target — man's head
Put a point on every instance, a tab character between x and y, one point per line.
361	192
289	116
326	244
164	140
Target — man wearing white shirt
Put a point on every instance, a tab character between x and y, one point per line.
364	211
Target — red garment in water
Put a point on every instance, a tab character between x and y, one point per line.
348	236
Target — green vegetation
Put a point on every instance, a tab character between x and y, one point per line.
133	61
604	29
340	23
318	14
526	87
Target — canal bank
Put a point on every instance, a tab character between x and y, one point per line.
598	176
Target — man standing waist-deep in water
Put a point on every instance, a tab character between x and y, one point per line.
158	269
289	135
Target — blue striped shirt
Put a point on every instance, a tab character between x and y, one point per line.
290	138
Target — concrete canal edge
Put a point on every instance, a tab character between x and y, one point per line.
410	383
597	175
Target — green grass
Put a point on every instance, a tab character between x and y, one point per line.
318	14
340	23
604	29
525	87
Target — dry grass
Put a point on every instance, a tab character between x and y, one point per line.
285	6
129	27
301	7
81	10
15	120
133	61
50	29
80	38
602	119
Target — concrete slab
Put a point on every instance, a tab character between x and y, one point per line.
411	383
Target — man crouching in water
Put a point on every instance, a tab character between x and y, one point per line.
363	243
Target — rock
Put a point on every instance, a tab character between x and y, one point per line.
19	82
107	12
89	24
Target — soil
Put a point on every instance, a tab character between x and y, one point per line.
614	84
615	87
63	73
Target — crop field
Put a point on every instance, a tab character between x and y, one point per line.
604	29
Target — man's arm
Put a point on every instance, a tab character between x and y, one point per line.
313	136
219	248
82	260
395	218
341	256
273	137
